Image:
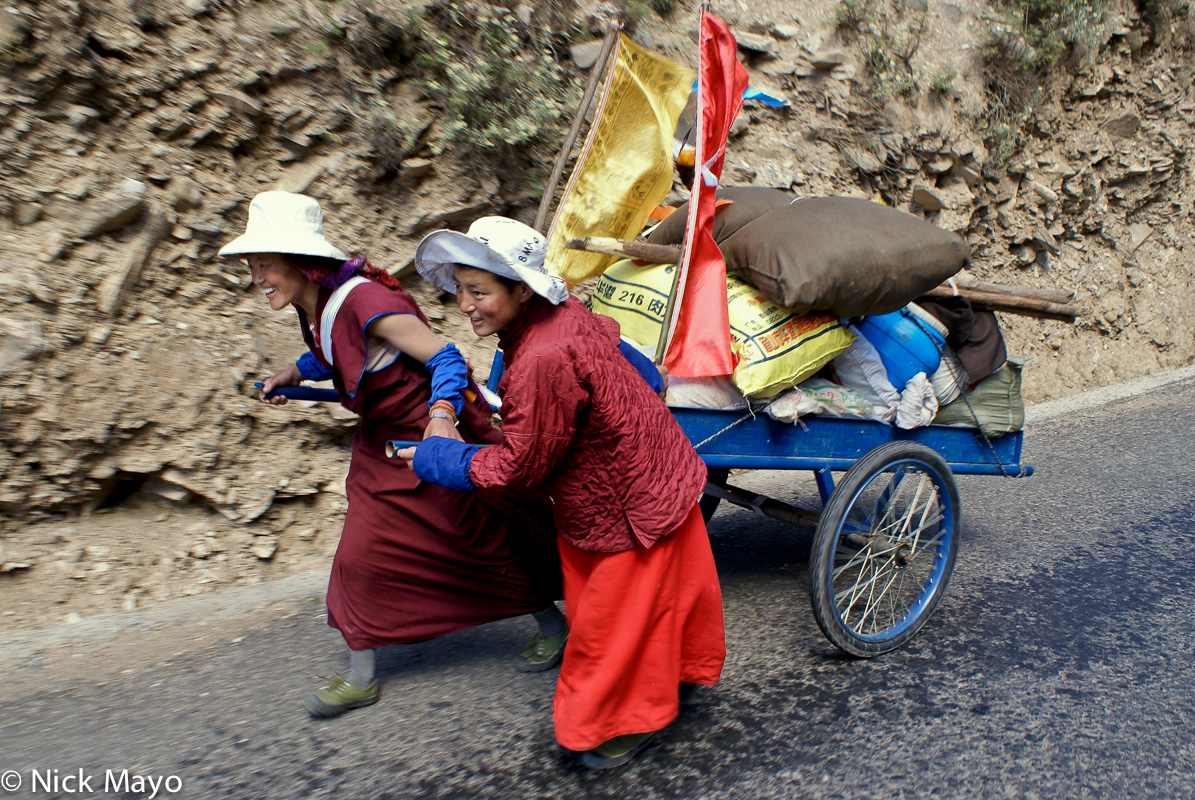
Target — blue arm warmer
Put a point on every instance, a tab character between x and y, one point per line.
450	377
311	369
644	366
445	462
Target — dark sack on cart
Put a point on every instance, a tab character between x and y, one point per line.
843	255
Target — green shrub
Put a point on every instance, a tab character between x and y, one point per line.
1021	55
942	81
1174	24
634	12
14	51
1013	93
499	83
854	15
889	34
389	139
1041	33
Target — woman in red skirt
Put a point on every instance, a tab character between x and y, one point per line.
640	588
415	560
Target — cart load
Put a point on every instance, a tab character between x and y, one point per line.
820	294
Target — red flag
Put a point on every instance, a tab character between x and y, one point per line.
699	336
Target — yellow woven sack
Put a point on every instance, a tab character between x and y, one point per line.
776	348
636	297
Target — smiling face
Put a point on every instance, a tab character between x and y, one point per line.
490	304
282	282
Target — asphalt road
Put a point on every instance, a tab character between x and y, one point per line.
1059	665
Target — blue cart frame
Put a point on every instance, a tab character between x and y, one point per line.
741	440
887	535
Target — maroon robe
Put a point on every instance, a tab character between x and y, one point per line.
415	560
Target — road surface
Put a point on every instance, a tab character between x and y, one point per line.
1059	665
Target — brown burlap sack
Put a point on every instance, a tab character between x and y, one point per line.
844	255
750	203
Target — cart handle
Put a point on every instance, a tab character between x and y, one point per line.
394	445
303	393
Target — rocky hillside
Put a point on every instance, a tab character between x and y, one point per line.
133	134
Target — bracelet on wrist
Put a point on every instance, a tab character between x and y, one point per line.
445	406
441	415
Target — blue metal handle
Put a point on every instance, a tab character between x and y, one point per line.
303	393
394	445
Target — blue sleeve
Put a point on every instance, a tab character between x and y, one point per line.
445	462
450	377
311	369
644	366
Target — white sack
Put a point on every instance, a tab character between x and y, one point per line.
817	396
859	368
918	403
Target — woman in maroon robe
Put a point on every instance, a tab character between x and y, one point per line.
415	561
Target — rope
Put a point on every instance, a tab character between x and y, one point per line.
986	439
749	415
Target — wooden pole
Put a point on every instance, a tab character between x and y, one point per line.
1012	304
1049	295
640	251
669	310
1025	301
599	67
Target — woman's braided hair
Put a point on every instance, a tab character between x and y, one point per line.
332	272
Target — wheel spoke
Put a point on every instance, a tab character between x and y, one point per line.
855	589
874	602
930	502
872	573
857	557
927	543
893	596
915	535
890	498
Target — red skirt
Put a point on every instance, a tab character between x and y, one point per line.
416	561
643	622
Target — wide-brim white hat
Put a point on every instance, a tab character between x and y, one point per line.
284	222
499	245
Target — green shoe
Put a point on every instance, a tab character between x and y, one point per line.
340	696
617	751
542	652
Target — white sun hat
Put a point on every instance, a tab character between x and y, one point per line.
283	222
499	245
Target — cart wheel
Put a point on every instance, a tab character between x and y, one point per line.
884	548
708	502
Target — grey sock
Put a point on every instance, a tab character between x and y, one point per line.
361	667
551	621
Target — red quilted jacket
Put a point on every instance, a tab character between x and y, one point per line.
581	424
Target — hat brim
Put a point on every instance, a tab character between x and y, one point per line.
293	245
440	251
